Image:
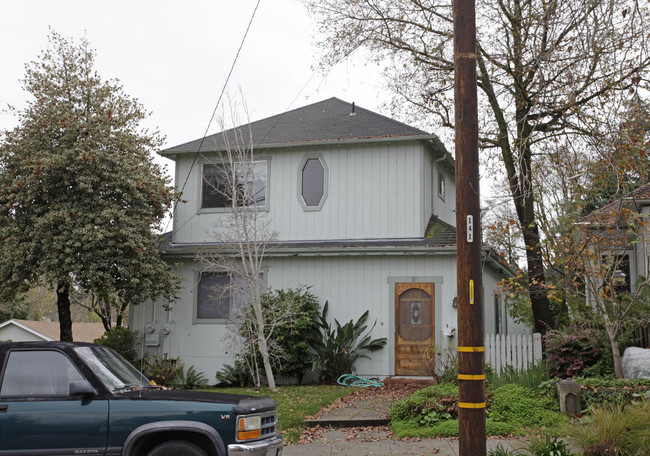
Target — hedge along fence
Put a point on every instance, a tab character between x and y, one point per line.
516	350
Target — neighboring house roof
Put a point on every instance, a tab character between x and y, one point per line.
50	331
325	121
608	213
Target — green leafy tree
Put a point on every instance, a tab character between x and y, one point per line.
80	196
16	308
546	69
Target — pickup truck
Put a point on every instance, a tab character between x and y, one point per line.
66	398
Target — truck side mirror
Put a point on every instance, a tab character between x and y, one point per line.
82	388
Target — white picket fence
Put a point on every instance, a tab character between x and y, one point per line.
518	350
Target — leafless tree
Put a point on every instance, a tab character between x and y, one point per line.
600	248
547	69
242	235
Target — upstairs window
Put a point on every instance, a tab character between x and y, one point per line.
441	185
313	182
243	183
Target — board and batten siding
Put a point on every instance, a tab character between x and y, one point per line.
374	191
204	345
351	285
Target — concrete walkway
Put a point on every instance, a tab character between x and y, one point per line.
361	428
377	442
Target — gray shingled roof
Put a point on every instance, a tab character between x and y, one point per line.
613	211
328	120
439	232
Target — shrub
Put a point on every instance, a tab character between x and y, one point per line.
239	374
162	371
546	445
598	391
288	316
338	348
433	412
123	341
441	360
190	379
570	351
294	356
501	451
421	403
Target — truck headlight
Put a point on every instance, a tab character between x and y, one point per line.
249	427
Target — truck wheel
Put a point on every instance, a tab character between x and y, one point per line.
177	448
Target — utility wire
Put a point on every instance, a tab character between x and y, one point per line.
216	107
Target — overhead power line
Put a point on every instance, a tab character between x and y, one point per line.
216	107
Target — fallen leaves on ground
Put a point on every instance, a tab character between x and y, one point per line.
392	391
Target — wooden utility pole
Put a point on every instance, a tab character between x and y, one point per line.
471	373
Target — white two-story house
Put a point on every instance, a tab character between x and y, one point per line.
363	207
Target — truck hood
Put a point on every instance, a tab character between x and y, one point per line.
243	404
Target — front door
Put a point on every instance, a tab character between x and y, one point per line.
415	323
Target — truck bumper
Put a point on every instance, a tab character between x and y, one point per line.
267	447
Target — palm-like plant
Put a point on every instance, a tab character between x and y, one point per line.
338	347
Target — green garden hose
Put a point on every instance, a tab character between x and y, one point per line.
354	380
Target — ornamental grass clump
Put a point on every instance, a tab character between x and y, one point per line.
615	429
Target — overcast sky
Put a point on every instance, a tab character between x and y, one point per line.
175	56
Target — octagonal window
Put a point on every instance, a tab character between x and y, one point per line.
313	182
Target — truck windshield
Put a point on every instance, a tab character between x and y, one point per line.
113	370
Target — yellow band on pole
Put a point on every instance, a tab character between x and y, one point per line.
471	377
471	405
471	349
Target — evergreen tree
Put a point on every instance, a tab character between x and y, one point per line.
80	196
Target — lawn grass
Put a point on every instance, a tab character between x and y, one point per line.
295	403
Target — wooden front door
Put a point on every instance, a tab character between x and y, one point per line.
415	324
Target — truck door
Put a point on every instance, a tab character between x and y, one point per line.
37	413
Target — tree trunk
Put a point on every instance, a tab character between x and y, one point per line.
613	341
264	349
518	165
537	281
63	305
